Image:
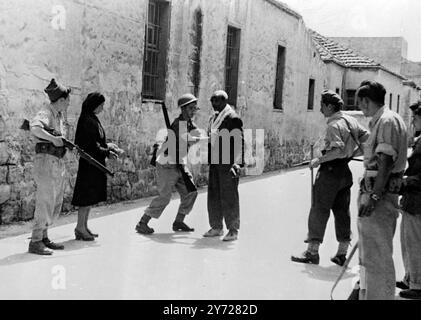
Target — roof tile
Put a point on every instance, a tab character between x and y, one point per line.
331	50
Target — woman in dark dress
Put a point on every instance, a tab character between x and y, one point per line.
91	183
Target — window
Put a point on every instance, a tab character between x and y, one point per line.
155	55
390	101
351	103
311	85
279	84
196	41
398	103
338	91
232	64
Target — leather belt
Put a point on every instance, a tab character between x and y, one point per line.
49	148
393	185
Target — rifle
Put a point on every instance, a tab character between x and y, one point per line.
191	187
344	267
306	163
70	145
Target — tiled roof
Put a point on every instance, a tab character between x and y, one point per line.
332	51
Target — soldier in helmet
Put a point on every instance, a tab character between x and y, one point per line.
171	169
49	166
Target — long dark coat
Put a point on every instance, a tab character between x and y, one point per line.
91	183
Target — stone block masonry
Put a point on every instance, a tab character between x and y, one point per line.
99	46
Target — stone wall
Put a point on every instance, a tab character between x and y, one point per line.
100	47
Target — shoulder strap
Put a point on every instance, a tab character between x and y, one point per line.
352	135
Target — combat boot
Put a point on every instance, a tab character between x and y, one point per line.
411	294
181	226
143	228
39	248
51	245
307	257
339	259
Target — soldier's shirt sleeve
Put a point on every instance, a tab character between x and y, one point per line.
388	139
363	133
333	138
180	129
42	118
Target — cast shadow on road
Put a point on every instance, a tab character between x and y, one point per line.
186	239
25	257
330	273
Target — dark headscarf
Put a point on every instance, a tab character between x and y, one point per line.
92	101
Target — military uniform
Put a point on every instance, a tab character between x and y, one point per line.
332	188
49	174
172	172
388	135
170	175
49	171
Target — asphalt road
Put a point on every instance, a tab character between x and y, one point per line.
122	264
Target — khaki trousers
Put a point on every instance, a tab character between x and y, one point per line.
49	174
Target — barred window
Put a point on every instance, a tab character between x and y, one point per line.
155	55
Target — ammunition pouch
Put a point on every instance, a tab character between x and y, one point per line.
49	148
393	185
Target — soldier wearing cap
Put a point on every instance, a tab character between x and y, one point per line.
171	169
332	188
226	157
49	166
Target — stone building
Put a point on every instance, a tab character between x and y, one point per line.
347	68
392	52
141	52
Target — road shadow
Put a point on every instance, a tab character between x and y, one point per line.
25	257
184	238
330	273
169	238
73	245
212	243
